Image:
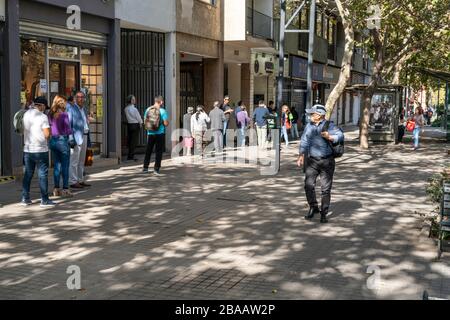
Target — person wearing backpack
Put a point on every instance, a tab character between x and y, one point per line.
156	121
36	132
320	144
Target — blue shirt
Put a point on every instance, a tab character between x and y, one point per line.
259	116
314	145
162	128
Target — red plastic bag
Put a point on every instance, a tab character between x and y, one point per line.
410	125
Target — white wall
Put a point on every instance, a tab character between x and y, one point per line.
234	20
154	15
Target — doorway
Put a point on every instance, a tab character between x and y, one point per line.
64	78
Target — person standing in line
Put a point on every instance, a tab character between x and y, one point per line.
419	124
317	157
157	116
272	106
187	135
243	121
134	125
260	119
226	108
238	108
401	127
199	126
78	120
36	130
217	117
59	145
286	120
294	128
271	123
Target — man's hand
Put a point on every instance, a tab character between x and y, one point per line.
301	161
327	136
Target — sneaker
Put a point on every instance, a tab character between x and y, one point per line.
48	204
57	192
26	203
145	170
157	172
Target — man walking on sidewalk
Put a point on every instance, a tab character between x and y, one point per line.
156	121
80	127
36	134
317	157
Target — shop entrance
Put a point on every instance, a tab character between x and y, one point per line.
64	78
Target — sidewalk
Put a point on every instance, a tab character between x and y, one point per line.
226	232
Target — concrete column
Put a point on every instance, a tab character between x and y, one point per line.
113	109
245	84
234	82
172	81
213	75
12	160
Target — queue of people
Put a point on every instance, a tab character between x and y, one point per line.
63	130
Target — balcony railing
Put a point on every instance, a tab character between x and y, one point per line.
259	25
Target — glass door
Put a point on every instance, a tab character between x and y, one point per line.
64	78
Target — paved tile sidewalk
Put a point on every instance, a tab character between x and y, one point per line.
224	231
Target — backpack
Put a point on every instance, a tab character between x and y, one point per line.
18	121
153	119
339	147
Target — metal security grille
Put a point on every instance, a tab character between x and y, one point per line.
143	71
191	87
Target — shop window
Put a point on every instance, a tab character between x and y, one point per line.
92	80
33	81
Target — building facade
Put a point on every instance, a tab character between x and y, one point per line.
51	48
329	43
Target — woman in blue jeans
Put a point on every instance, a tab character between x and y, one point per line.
286	123
419	123
59	145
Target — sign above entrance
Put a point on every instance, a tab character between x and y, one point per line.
74	20
299	69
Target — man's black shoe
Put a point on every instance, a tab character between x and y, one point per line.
323	218
312	212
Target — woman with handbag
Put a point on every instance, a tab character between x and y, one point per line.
59	145
286	123
419	123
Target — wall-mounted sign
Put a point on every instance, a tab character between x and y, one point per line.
43	85
100	107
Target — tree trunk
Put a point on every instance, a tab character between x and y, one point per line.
346	61
365	115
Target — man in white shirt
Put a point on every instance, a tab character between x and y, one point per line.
134	124
36	135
